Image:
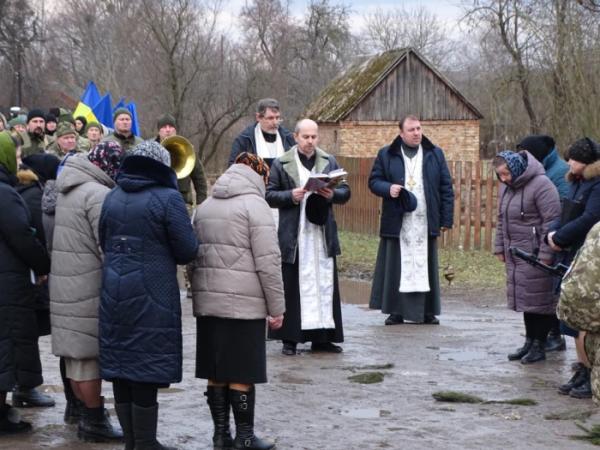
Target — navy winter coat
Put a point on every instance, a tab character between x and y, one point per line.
388	169
246	142
20	252
145	232
587	192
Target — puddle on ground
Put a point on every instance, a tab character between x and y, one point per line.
365	413
452	354
355	292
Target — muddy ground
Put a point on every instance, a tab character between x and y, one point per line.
310	403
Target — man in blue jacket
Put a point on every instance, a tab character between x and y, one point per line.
412	177
265	138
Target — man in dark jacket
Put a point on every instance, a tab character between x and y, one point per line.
309	244
23	259
167	127
412	177
265	138
122	133
34	138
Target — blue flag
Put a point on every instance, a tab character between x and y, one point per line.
135	127
90	96
103	111
120	104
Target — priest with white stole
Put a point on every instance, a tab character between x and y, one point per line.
412	177
309	244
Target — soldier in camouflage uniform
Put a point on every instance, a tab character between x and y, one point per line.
579	304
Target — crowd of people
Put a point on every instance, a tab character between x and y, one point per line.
99	229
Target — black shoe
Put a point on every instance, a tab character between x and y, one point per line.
73	411
394	319
10	421
242	404
289	348
326	347
95	426
536	353
584	390
125	419
431	320
520	352
145	422
555	342
576	380
217	398
30	398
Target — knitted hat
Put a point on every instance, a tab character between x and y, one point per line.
44	165
584	151
120	111
153	150
35	113
65	128
94	124
256	163
50	118
515	162
538	145
8	152
165	119
19	120
107	156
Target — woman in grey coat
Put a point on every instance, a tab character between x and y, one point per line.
528	203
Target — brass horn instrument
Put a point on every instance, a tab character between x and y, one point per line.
183	156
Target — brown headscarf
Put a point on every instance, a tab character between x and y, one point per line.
255	162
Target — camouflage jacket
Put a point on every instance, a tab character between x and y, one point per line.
579	304
32	144
127	143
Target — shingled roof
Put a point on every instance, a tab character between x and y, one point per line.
347	91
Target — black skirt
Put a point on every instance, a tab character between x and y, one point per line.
231	350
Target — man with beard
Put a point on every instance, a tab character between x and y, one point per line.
122	133
34	138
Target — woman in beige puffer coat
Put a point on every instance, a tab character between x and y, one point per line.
236	284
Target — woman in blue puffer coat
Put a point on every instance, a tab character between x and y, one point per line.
145	232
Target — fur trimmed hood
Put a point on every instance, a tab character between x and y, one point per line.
591	171
26	176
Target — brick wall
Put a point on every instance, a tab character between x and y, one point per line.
458	139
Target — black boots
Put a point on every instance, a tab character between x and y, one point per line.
125	419
10	421
242	404
536	352
326	347
289	348
95	426
394	319
145	421
520	352
555	342
30	397
576	380
73	411
217	398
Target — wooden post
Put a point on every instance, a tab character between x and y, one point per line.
457	202
490	210
478	207
468	199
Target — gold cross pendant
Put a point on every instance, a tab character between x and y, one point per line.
411	183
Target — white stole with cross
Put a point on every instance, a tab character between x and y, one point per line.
414	269
315	268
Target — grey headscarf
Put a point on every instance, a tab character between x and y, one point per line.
152	149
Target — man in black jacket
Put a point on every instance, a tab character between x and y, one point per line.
309	244
412	177
265	138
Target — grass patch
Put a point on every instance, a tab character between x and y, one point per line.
592	435
573	414
461	397
476	268
368	377
386	366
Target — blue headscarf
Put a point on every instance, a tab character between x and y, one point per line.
515	162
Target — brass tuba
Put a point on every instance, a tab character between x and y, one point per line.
183	156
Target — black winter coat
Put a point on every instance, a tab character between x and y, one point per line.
388	169
20	252
145	232
283	179
246	142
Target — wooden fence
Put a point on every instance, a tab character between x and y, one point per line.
475	189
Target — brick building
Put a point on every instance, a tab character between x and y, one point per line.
358	112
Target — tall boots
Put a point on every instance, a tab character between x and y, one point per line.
74	407
145	421
520	352
126	420
95	426
242	404
537	352
217	398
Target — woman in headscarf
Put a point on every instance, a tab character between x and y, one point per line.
528	203
145	232
236	285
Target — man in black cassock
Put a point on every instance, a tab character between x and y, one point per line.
309	244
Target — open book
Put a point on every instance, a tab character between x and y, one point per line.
318	181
